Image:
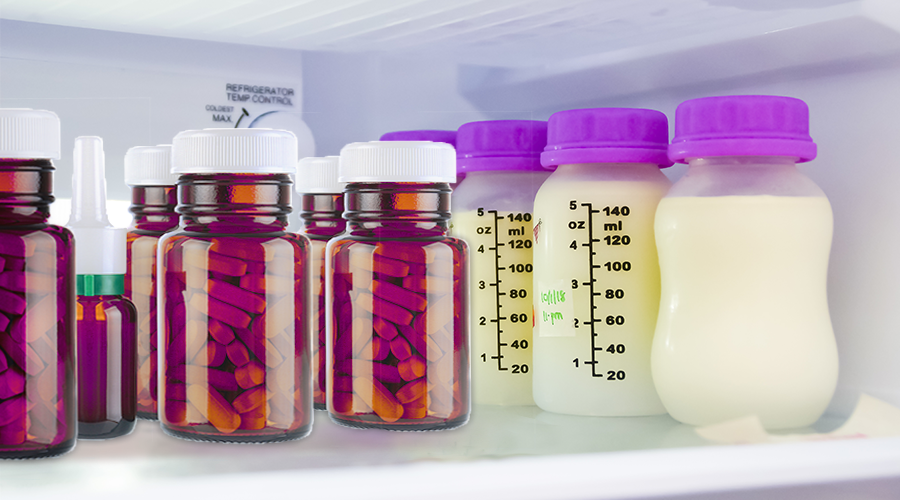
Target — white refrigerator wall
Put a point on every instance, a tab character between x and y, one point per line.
138	90
355	97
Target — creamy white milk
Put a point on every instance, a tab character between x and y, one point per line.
743	322
596	298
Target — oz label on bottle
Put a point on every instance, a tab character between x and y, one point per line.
555	312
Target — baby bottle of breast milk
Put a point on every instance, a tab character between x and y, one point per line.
596	274
493	210
743	241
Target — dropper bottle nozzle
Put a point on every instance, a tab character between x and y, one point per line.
100	247
89	184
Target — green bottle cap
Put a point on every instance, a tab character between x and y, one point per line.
99	284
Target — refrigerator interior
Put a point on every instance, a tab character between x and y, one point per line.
138	72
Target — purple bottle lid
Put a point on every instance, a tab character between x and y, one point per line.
744	125
607	135
447	136
500	145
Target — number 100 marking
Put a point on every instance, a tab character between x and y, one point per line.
618	266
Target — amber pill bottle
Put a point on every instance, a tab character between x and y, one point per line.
321	216
397	329
148	171
37	294
234	313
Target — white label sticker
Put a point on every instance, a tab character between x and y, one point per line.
555	312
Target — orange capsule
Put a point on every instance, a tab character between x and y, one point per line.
411	368
415	409
250	375
384	329
254	419
250	399
412	391
376	396
214	408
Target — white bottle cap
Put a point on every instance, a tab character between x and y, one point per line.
100	248
234	151
319	175
150	166
398	161
29	133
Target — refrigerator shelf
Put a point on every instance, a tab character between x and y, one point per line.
505	452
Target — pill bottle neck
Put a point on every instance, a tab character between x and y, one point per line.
398	209
322	214
154	208
26	191
234	203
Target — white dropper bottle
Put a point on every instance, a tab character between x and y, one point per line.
106	320
100	252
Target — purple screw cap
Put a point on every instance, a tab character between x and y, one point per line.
500	145
448	136
744	125
607	135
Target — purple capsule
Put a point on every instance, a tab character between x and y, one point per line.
219	263
236	296
389	311
410	301
11	303
256	345
16	247
343	383
12	383
221	332
221	379
238	354
11	410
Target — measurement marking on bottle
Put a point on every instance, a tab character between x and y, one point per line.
497	269
591	283
500	329
610	321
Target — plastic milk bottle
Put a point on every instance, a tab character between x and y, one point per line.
743	241
596	273
492	211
